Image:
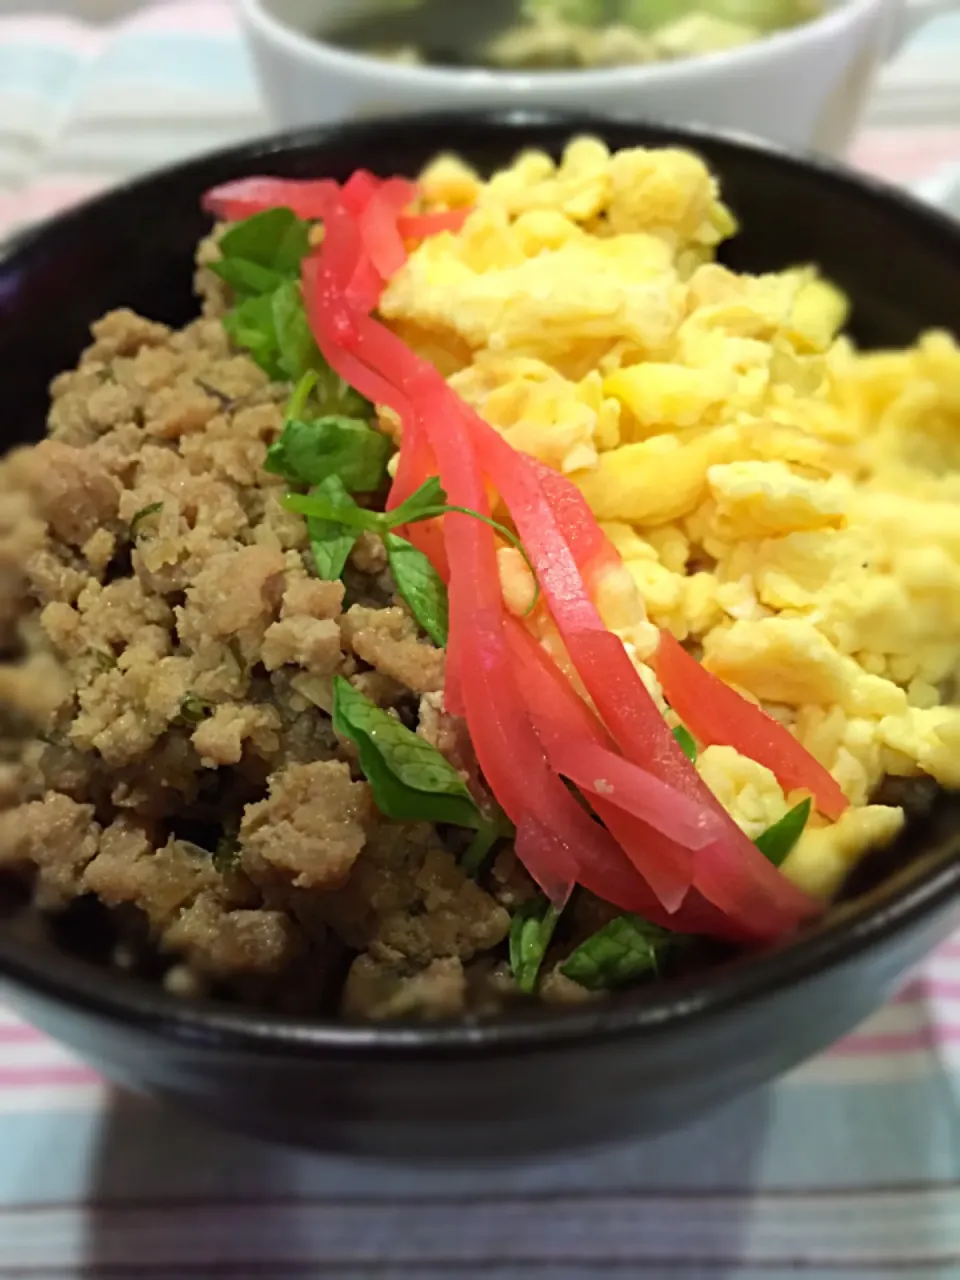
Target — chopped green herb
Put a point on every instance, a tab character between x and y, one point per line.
237	654
251	325
321	393
297	405
624	949
104	661
777	841
531	931
337	520
298	347
330	540
411	780
421	505
260	260
421	586
320	507
193	709
308	452
150	510
226	856
330	549
334	395
498	827
686	742
247	279
430	495
274	241
430	500
273	327
424	504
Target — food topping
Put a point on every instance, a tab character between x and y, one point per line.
488	567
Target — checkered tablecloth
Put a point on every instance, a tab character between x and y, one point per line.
849	1167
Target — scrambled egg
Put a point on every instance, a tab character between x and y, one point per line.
785	504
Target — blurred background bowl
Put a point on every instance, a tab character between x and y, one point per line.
803	88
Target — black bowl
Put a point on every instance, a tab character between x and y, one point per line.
547	1078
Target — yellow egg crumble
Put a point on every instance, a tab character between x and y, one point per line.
785	504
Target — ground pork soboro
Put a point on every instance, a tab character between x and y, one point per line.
406	895
311	828
190	908
388	640
379	989
166	684
57	836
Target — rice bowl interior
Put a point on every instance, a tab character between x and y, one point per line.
781	505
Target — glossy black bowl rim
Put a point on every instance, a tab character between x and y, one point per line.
860	928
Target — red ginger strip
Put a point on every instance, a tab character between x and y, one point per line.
715	713
617	880
544	837
378	225
246	196
744	889
731	871
550	824
419	226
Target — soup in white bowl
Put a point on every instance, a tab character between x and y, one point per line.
562	35
800	86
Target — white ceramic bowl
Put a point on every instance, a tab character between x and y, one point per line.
804	87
